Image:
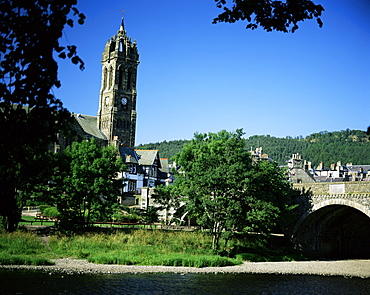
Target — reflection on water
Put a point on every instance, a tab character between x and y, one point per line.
31	282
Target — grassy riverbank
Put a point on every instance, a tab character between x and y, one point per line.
21	248
133	247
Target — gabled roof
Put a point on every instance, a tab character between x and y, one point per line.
355	168
148	157
89	126
164	165
164	170
128	154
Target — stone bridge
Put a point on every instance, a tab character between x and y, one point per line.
334	219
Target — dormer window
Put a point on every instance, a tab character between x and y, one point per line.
132	168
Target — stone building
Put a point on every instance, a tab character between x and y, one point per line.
299	170
116	119
117	103
302	171
115	123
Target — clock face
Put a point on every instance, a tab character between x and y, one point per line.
124	100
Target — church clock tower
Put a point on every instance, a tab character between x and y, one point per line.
117	103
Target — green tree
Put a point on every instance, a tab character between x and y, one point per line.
225	189
271	15
86	184
30	115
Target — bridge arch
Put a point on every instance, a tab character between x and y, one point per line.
334	228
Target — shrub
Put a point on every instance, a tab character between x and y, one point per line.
130	218
251	257
51	212
117	216
43	207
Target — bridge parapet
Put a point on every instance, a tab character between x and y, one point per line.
362	198
323	188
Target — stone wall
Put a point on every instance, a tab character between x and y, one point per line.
324	188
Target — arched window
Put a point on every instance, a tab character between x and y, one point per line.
110	79
105	77
129	79
120	78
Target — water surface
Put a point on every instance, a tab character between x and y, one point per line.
34	282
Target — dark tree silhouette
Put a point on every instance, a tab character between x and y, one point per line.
30	115
271	15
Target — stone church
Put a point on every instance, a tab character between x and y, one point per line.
116	119
115	123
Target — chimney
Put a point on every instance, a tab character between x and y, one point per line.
321	166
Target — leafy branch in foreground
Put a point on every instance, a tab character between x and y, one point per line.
282	16
30	115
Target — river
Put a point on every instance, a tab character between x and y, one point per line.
36	282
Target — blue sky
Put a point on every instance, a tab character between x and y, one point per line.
195	76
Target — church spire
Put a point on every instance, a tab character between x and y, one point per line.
122	27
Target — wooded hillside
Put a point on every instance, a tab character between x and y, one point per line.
347	146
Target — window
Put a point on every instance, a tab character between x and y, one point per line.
129	79
120	78
105	74
132	169
131	185
110	79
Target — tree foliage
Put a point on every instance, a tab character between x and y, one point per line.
348	146
271	15
224	189
30	115
86	184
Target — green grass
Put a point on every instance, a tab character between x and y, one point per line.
23	248
23	260
171	259
143	247
253	249
139	247
26	220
